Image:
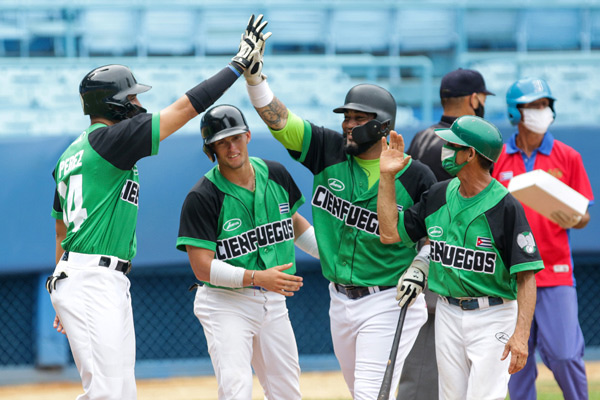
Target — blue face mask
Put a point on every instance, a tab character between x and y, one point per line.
449	159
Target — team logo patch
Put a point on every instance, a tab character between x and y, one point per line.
435	231
484	242
400	207
526	242
505	176
335	184
284	208
502	337
232	224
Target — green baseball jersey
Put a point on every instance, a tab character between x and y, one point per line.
252	230
344	206
478	244
97	186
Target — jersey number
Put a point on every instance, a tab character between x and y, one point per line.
74	212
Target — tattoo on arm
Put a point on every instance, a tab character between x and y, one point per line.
274	114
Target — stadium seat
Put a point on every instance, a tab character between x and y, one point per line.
173	33
554	29
361	31
111	32
491	29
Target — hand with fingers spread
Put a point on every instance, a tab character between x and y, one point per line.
275	280
393	159
251	43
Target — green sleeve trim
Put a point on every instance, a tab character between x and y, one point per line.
183	241
406	240
56	215
298	203
291	136
155	132
535	266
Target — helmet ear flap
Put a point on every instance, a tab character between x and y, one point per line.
514	115
208	151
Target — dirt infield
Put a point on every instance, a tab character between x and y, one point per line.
314	386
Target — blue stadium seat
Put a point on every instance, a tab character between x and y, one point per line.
491	29
425	30
298	30
221	29
361	31
111	32
14	37
170	32
554	29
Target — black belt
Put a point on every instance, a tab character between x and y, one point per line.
473	304
356	292
122	266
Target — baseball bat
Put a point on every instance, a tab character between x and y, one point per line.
386	384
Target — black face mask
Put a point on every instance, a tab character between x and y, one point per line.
480	110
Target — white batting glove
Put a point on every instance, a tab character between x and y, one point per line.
412	282
253	73
565	220
250	42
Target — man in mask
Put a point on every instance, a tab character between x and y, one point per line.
555	330
362	271
482	263
462	92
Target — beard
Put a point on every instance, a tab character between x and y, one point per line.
354	149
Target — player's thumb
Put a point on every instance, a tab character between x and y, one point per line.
283	267
506	352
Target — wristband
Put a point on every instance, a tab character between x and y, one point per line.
423	256
224	274
308	242
261	94
252	278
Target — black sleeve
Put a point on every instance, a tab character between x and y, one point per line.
417	179
510	230
200	212
56	206
278	173
210	90
124	143
429	202
326	149
427	148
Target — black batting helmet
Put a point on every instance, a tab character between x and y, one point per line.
372	99
104	92
220	122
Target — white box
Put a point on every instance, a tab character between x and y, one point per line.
545	194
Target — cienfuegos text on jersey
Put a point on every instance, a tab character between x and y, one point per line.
359	217
249	241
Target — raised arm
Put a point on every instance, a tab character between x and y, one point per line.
391	161
201	97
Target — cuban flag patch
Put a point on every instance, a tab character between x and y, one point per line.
505	176
284	208
484	242
399	207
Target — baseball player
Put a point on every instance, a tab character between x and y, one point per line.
238	226
555	330
462	92
361	270
95	208
483	258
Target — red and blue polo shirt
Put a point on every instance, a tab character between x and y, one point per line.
564	163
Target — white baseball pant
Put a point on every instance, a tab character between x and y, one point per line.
94	307
363	331
247	328
469	345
